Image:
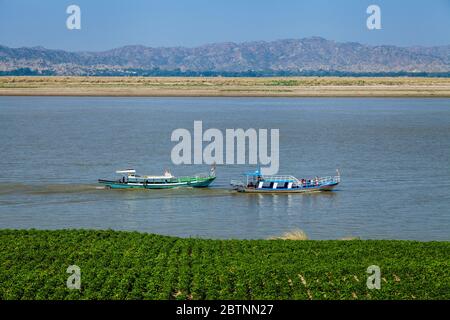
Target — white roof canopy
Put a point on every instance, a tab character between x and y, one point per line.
128	171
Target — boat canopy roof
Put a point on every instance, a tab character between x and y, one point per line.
280	179
127	171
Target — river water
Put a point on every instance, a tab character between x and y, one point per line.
393	155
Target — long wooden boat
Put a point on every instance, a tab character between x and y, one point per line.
258	183
130	180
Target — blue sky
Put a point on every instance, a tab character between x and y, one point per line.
107	24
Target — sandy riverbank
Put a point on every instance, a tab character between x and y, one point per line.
225	87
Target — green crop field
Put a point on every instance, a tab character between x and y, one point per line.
131	265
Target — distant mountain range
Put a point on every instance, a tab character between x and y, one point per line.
281	57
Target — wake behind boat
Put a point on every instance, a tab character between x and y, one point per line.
130	180
258	183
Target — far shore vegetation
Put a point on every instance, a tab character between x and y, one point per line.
313	86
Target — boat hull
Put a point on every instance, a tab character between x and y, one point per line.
323	188
189	183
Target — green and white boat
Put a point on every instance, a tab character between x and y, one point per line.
130	180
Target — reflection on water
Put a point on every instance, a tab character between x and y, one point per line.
393	155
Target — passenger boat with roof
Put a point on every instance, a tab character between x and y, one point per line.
258	183
130	180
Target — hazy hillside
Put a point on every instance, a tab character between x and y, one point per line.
293	55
